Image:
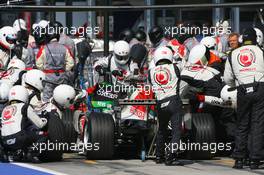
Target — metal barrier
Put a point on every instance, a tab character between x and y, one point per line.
125	8
106	9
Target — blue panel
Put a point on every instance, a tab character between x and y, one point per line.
6	169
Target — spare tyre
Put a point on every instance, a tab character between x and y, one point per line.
56	137
202	136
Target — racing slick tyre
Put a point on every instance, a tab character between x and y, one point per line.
202	134
70	133
99	131
56	135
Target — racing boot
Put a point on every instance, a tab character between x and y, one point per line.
246	162
238	164
254	164
5	158
19	156
159	159
171	160
35	159
33	156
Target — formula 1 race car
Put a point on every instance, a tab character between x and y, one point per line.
128	117
116	119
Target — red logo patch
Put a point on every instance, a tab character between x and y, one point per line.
7	115
246	58
162	77
8	112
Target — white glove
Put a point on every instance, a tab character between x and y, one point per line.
81	95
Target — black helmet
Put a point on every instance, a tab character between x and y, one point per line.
141	36
52	32
84	50
138	52
155	34
39	36
249	34
126	35
22	37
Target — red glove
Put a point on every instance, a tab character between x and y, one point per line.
91	90
200	97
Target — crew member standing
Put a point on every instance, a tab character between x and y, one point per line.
55	60
165	80
245	69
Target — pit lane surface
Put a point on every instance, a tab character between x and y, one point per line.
74	164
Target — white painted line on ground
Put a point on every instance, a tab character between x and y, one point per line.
39	168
